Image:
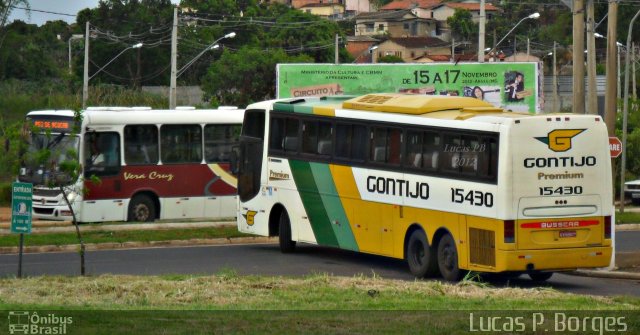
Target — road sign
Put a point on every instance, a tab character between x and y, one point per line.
615	146
21	201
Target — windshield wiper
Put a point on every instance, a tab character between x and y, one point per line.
55	141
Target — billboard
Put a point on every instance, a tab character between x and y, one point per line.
513	86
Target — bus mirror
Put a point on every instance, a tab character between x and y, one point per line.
234	159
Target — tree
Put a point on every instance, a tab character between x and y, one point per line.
56	159
390	59
462	25
247	75
6	7
122	23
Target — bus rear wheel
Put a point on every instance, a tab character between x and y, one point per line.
287	245
141	209
420	257
540	276
448	259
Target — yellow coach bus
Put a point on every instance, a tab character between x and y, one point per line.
447	183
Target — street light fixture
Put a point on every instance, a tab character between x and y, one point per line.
535	15
85	90
172	88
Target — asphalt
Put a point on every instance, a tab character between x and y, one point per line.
627	259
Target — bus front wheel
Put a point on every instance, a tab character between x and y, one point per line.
141	209
448	259
287	245
420	257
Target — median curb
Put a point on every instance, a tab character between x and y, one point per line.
606	274
136	245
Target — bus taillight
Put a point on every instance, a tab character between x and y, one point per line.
607	227
509	231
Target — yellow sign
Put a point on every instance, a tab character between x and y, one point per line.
559	140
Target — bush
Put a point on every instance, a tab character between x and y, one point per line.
5	193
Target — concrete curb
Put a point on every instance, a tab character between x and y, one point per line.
136	245
128	226
627	226
606	274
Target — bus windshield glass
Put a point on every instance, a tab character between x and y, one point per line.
45	154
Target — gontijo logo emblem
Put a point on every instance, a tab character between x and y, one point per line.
559	140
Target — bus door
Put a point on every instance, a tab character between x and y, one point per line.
103	200
249	166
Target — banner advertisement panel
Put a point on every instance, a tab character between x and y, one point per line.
512	86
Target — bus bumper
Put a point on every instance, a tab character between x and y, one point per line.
58	213
553	259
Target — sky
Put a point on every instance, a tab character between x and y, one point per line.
57	6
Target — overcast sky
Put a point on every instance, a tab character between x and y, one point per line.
57	6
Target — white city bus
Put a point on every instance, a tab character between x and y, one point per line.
447	183
151	164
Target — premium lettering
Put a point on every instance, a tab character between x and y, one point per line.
565	175
398	187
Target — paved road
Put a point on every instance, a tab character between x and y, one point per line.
628	240
266	259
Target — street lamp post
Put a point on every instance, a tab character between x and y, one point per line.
532	16
625	113
85	90
73	37
175	75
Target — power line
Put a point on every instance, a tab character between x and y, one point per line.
42	11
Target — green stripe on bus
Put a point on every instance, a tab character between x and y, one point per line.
313	205
303	109
283	107
333	206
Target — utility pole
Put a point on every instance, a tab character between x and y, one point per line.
85	79
555	81
453	50
174	60
578	57
592	96
633	68
481	32
528	48
336	51
625	110
611	87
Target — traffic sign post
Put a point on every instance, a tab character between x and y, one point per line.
21	203
615	147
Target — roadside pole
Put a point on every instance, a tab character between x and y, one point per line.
21	204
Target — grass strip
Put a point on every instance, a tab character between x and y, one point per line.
229	291
627	217
122	236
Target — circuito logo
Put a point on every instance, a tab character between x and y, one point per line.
22	322
559	140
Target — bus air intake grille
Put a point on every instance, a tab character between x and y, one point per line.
482	245
375	99
45	193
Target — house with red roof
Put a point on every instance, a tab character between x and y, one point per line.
393	24
411	48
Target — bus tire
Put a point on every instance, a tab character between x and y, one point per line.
141	209
448	259
420	257
540	276
287	245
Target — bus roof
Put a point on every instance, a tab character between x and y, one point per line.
155	116
431	106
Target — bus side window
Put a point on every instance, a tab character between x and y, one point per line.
219	140
141	144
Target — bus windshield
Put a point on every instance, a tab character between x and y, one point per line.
44	156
